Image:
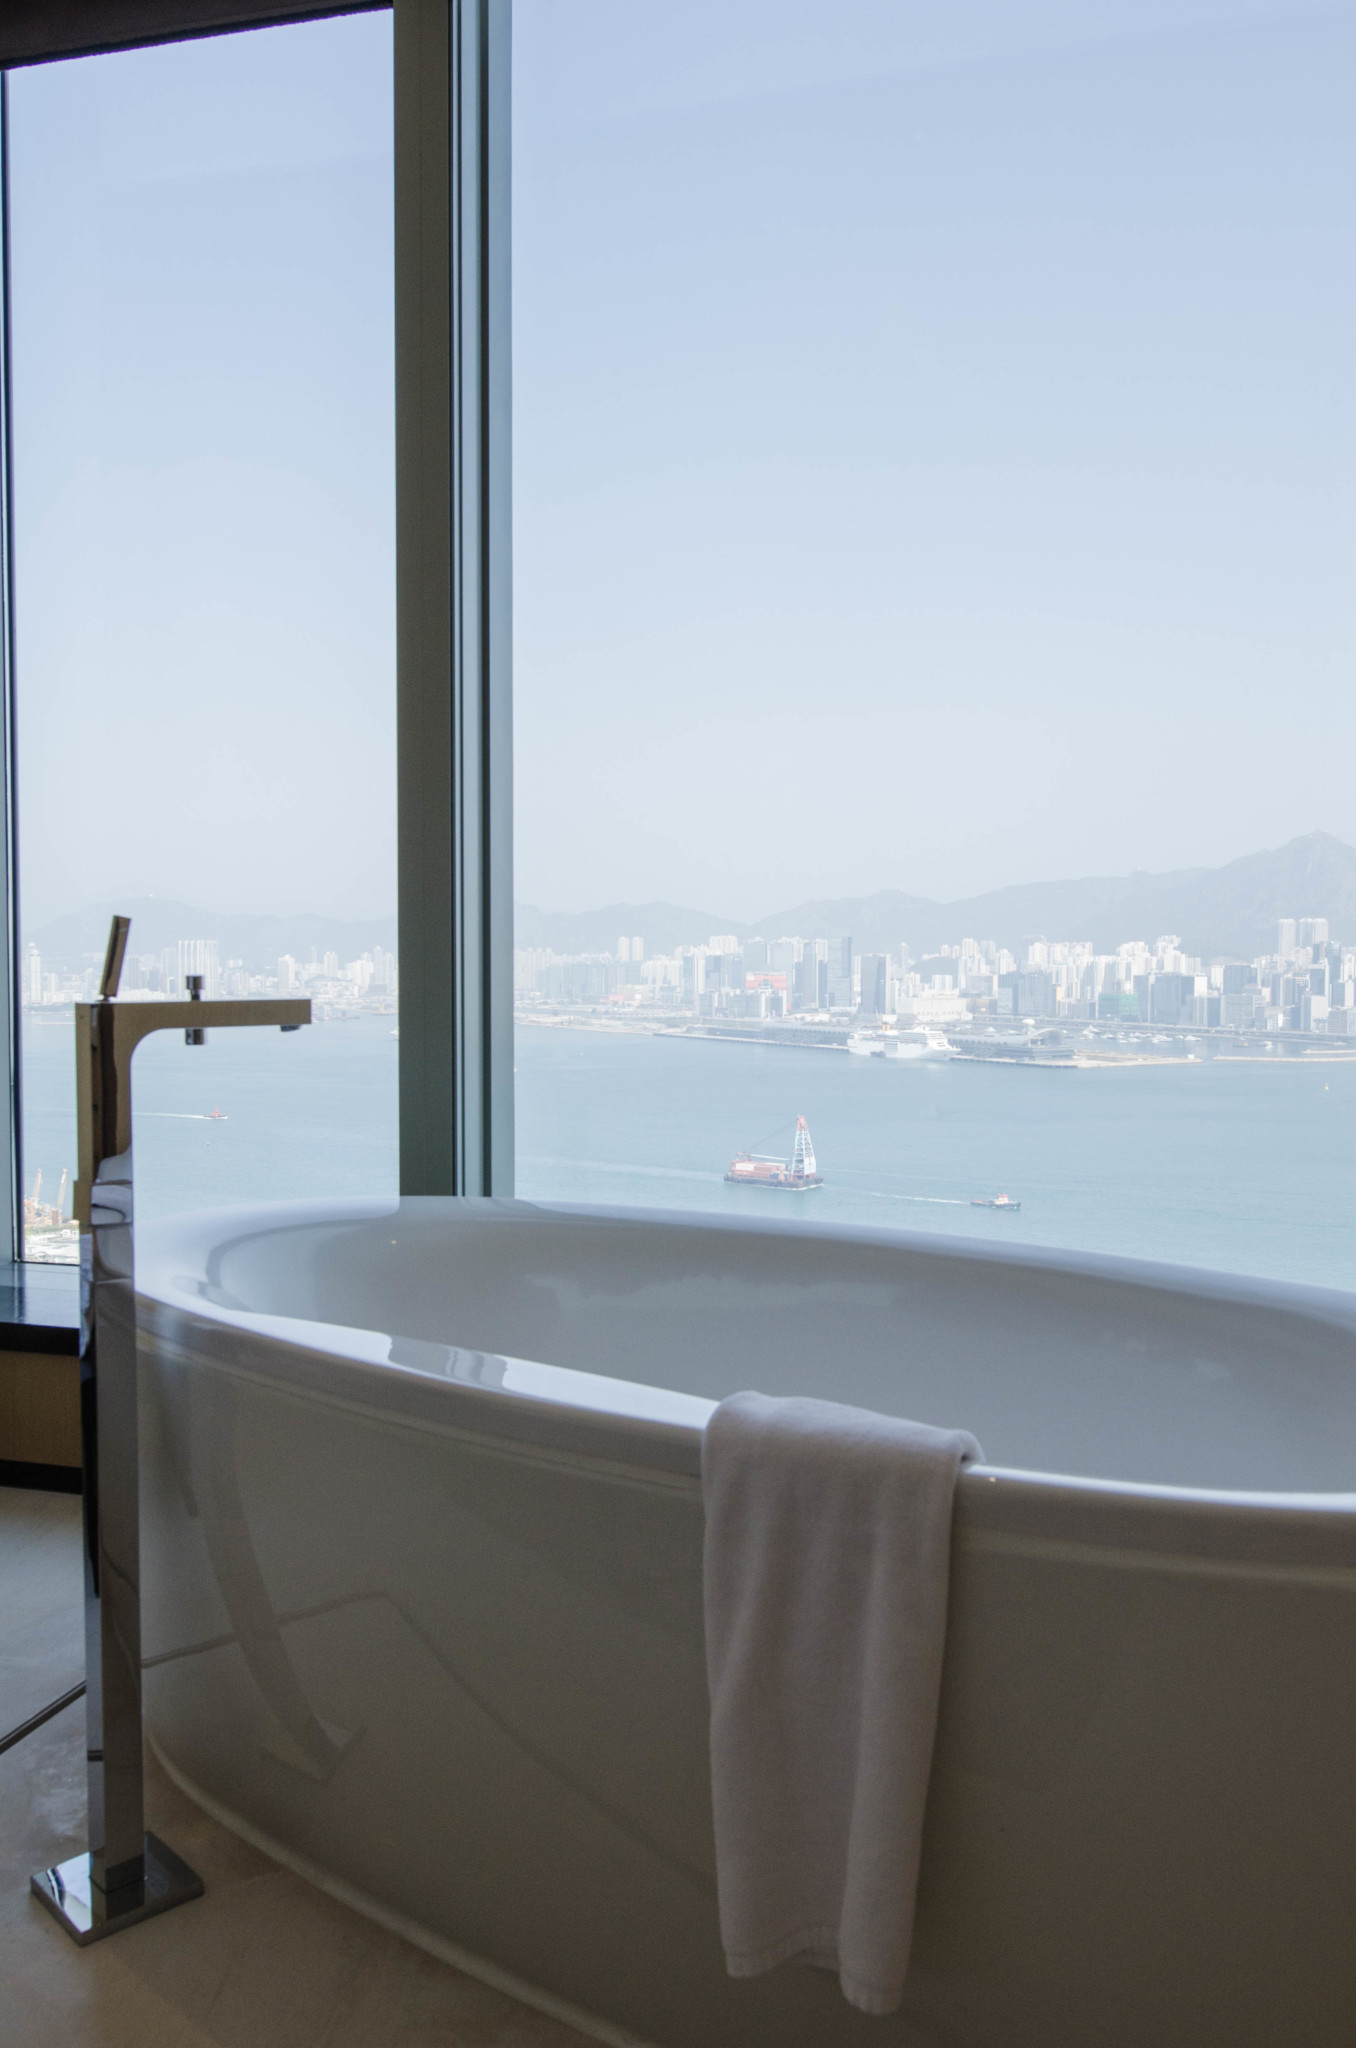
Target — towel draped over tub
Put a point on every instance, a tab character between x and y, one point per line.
828	1537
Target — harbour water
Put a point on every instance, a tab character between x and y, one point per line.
1240	1165
309	1112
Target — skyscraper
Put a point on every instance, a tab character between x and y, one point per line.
873	985
199	956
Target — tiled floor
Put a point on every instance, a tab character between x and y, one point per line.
42	1649
263	1960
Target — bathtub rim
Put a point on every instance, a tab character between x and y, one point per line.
665	1426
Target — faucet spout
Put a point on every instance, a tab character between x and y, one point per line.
106	1036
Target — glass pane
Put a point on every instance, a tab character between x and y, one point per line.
202	320
934	432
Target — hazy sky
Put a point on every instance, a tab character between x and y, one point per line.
204	449
934	451
934	436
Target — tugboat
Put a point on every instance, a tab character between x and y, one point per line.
994	1202
794	1175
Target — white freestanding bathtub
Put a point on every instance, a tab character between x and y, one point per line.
424	1618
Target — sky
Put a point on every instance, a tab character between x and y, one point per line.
933	435
933	452
204	486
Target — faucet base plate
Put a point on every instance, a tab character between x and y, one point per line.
88	1915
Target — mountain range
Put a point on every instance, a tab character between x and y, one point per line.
1230	911
74	942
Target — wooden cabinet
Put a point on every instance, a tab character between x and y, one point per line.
39	1402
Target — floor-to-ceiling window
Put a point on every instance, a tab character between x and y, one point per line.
202	385
934	431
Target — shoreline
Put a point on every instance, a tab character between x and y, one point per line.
1077	1060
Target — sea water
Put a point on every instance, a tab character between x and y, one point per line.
309	1112
1240	1165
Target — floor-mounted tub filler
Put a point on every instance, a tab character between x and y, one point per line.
426	1621
124	1874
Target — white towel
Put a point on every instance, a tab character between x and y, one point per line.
828	1536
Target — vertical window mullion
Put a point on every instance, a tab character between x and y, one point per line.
454	595
11	1161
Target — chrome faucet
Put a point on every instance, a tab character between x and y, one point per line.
125	1875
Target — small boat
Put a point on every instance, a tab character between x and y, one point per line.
994	1202
215	1116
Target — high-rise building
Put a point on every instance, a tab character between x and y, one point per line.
32	976
1035	995
1313	931
198	956
287	974
1171	998
839	993
872	1002
810	982
1313	1013
1285	937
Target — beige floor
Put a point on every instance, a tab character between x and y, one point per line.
263	1960
42	1650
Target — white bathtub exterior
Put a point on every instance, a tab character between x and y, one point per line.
422	1566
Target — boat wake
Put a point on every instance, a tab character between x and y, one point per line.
186	1116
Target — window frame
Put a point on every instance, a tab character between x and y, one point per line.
454	595
454	616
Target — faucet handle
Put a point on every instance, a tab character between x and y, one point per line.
117	946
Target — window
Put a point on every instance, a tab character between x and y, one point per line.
202	376
933	626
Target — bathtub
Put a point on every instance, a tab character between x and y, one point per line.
422	1567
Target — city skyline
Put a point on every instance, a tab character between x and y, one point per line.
1226	912
1306	984
371	982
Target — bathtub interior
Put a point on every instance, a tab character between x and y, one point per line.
1101	1370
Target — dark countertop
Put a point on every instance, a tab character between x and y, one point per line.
39	1307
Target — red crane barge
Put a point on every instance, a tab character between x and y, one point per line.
796	1174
